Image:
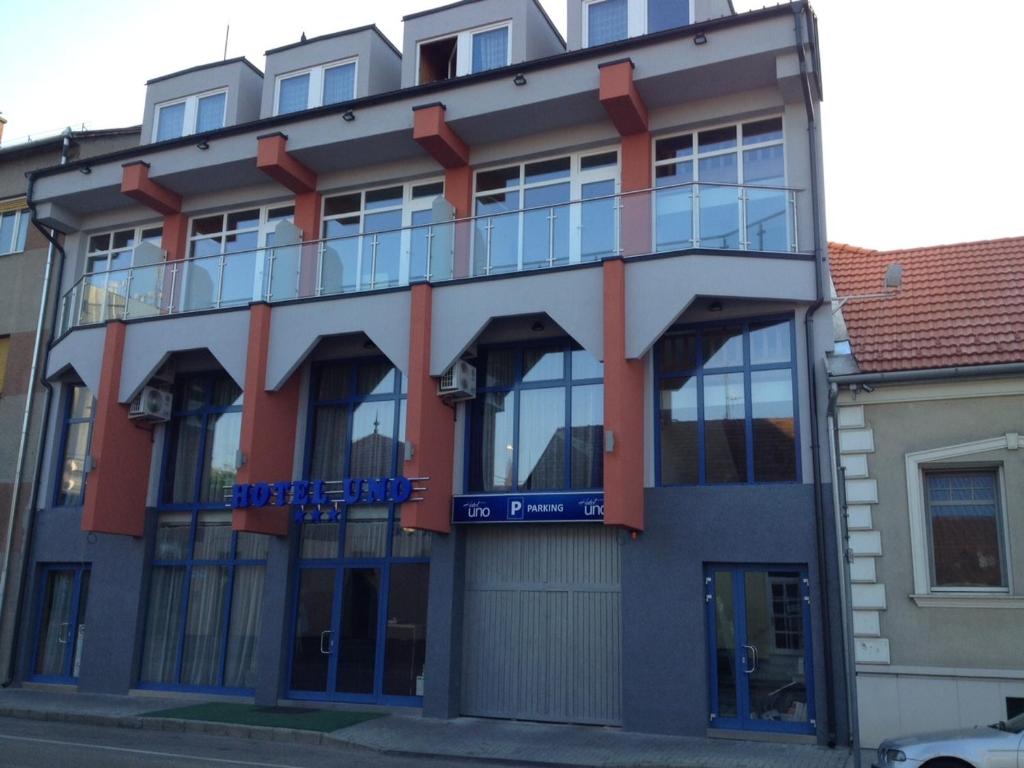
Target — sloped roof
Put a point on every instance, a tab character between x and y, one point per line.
959	305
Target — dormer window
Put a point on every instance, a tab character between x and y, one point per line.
465	53
192	114
605	21
316	87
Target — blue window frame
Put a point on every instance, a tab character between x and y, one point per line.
360	606
537	422
76	436
206	583
727	404
63	591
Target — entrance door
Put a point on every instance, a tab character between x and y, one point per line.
760	650
60	630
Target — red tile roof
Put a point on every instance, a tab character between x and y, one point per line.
959	305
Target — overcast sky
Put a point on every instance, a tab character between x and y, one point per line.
912	90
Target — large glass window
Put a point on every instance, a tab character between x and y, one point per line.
468	52
525	219
720	188
78	419
727	398
965	529
605	21
359	553
105	285
537	422
206	585
379	238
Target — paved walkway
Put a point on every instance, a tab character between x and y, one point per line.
496	741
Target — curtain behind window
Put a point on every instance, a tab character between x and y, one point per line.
294	94
490	49
339	84
606	22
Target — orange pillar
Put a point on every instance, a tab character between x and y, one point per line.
624	378
175	236
115	495
267	439
458	190
430	427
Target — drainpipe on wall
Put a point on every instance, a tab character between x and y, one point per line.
812	386
26	534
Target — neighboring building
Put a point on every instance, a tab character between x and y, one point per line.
930	414
618	236
23	258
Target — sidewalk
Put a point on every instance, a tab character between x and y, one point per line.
498	741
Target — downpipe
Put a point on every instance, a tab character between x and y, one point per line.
812	379
26	536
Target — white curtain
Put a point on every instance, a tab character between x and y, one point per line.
162	616
204	631
246	620
606	22
490	49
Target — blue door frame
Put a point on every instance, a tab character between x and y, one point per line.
75	619
740	656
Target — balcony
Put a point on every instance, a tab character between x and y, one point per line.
716	217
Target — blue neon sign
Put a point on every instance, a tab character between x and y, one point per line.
529	508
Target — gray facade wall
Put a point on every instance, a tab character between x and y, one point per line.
901	428
243	85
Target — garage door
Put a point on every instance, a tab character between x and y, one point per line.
542	624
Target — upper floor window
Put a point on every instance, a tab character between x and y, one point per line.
605	21
13	230
372	243
192	114
77	434
466	53
526	219
727	404
965	528
316	87
719	161
108	256
537	423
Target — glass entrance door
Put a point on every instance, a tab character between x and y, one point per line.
760	650
60	628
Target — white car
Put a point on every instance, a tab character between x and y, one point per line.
1000	745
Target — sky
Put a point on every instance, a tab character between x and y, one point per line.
912	89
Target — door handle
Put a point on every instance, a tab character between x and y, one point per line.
325	636
750	658
62	635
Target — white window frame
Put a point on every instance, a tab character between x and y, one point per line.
464	47
315	93
409	206
22	218
191	102
636	18
577	179
918	464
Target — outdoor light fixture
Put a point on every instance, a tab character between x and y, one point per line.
715	306
348	116
519	79
537	326
86	169
203	145
700	38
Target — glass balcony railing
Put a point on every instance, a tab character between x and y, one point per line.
661	220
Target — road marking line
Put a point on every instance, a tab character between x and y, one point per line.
147	752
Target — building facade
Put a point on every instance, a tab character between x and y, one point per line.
23	266
930	400
482	377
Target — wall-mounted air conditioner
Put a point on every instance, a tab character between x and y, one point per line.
151	404
458	382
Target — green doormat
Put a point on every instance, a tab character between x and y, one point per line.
323	720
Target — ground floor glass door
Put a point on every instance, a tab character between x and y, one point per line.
759	648
60	629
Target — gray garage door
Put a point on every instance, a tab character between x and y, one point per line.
542	624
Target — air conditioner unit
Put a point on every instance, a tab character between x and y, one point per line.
151	404
458	382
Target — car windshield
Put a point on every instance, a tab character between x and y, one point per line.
1015	724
